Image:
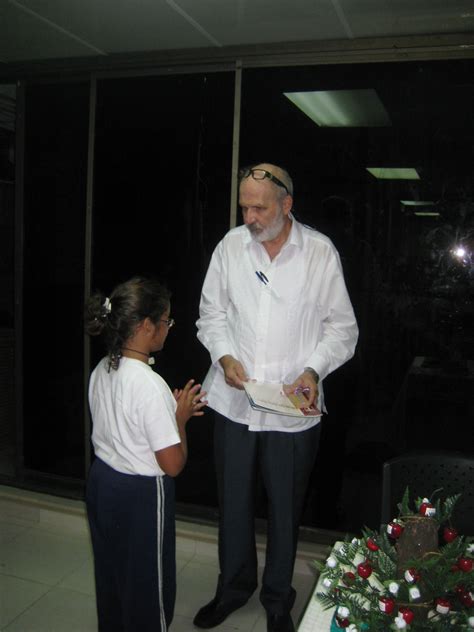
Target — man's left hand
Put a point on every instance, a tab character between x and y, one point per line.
304	381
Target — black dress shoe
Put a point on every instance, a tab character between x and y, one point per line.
214	613
279	623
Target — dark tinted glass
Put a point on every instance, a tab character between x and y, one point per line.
409	385
162	191
55	202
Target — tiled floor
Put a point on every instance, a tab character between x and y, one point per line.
46	575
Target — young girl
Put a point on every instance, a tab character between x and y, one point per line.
139	440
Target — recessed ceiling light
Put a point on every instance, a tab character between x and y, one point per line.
342	108
393	173
416	203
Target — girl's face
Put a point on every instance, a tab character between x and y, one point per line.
160	332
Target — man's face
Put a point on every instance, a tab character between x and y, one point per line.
264	210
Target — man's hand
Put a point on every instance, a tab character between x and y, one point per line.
304	381
234	372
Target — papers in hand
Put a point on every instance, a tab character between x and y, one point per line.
270	398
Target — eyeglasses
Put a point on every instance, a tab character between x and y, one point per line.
261	174
169	322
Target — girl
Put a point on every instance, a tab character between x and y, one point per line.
139	439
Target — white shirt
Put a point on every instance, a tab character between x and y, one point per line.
133	415
302	317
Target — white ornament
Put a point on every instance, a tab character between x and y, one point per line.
430	512
343	612
354	541
442	609
400	623
327	583
352	628
471	622
394	588
409	576
414	593
107	305
331	562
470	548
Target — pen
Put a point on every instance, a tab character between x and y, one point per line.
262	277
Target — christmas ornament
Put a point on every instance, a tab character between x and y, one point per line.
443	606
386	604
449	534
465	564
364	570
372	545
427	509
406	614
394	529
412	575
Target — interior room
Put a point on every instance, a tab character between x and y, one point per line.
122	130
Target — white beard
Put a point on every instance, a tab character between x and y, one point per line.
270	232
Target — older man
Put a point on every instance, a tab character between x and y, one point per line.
274	308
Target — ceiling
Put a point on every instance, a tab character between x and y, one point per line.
39	30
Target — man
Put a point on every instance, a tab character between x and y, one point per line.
274	308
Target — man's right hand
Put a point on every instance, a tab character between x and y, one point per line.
234	372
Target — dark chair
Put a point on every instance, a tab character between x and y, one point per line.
423	473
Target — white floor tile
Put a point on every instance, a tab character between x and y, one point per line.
59	610
16	596
43	557
81	579
9	531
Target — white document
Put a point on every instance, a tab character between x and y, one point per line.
270	398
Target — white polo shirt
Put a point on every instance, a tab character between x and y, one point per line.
301	317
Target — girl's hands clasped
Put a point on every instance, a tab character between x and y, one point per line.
190	401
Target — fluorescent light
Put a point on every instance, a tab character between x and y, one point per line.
426	214
416	203
392	173
342	108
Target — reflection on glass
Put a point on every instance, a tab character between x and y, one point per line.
414	367
342	108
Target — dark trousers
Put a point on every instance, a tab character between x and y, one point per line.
285	461
132	524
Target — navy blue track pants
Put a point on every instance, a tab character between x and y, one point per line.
132	524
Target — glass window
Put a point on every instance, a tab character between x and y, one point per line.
56	136
162	201
7	241
406	243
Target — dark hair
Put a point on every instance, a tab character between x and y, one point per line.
117	317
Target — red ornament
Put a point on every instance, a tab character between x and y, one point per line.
394	530
449	534
372	545
427	509
412	575
443	606
386	604
364	570
342	623
348	578
465	564
406	614
467	599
